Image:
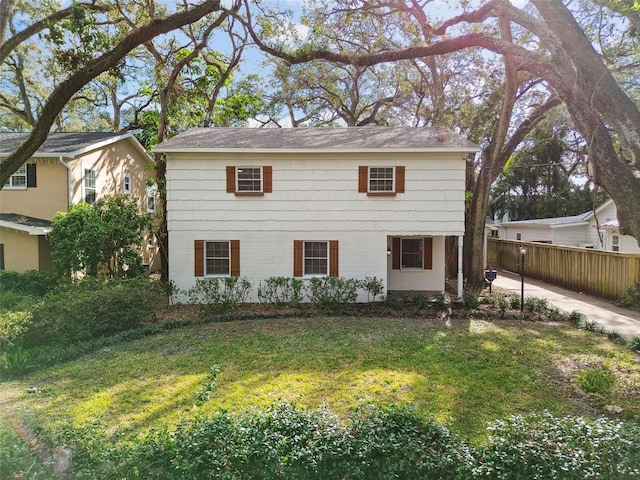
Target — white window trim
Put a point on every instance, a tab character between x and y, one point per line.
238	179
304	258
126	184
85	189
393	179
9	185
151	192
204	259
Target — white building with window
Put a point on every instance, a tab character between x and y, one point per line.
597	229
349	202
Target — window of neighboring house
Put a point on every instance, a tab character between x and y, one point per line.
90	193
18	179
615	243
126	184
217	258
381	180
151	199
518	236
249	180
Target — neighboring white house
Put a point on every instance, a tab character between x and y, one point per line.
597	230
304	202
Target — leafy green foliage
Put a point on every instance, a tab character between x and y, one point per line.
281	291
631	296
598	381
105	238
91	309
332	292
541	446
203	395
32	282
218	294
373	286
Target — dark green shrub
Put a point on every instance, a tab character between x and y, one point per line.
514	302
374	287
541	446
631	296
635	344
281	291
471	300
28	283
536	305
14	360
13	325
218	294
204	394
92	309
332	292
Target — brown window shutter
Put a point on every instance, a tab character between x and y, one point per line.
198	258
400	179
297	258
428	253
231	179
395	252
235	258
363	179
267	173
333	258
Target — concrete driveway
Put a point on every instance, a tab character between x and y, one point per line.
612	318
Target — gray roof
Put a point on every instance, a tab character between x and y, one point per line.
555	221
31	225
58	143
300	139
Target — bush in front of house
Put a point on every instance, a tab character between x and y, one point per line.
91	309
332	292
281	291
218	294
542	446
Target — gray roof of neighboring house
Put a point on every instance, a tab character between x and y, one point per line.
31	225
305	139
551	222
59	143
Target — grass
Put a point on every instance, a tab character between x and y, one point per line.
464	373
16	459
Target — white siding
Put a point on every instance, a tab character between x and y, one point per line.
570	236
315	197
528	233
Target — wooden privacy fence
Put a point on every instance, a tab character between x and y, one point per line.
596	272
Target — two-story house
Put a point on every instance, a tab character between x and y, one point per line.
304	202
67	169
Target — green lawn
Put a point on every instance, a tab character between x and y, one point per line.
465	374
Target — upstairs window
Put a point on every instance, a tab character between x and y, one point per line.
615	243
250	181
151	199
90	194
126	184
22	178
381	181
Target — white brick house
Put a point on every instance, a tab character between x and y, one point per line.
349	202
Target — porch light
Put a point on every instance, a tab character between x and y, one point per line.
388	251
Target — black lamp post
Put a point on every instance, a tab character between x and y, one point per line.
523	251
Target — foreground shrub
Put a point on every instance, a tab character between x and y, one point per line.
281	291
631	296
13	326
285	442
218	294
541	446
374	287
92	309
332	292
